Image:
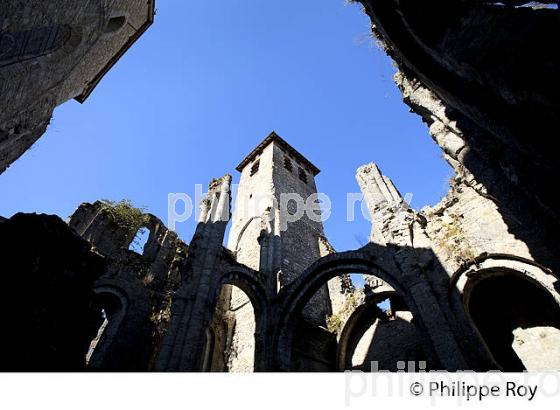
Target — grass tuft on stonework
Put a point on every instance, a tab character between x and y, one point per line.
335	322
127	217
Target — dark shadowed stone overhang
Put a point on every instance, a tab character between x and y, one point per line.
132	39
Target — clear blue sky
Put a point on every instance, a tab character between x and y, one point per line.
204	85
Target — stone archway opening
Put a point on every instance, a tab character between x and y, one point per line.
230	338
380	335
518	319
370	328
111	306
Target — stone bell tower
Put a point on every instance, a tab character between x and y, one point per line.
274	227
272	233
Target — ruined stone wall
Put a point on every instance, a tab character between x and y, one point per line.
466	225
204	275
459	243
464	228
145	283
46	295
339	288
314	350
90	303
483	80
386	342
487	91
517	213
51	52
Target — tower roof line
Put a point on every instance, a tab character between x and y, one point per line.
273	137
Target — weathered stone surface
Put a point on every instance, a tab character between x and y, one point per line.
471	282
488	92
136	289
463	230
538	347
445	286
387	342
53	51
79	290
208	268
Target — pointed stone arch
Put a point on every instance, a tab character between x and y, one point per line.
250	283
114	302
514	276
436	339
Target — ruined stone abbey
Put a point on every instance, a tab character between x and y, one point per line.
470	283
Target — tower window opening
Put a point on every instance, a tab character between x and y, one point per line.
115	24
255	168
288	164
302	175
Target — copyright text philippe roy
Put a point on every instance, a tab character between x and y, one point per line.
473	391
461	387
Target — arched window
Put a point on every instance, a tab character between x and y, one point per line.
518	319
380	335
111	305
139	241
370	328
318	347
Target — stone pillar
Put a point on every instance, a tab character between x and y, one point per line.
394	226
193	306
381	198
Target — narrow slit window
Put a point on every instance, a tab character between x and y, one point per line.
288	164
255	168
302	175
